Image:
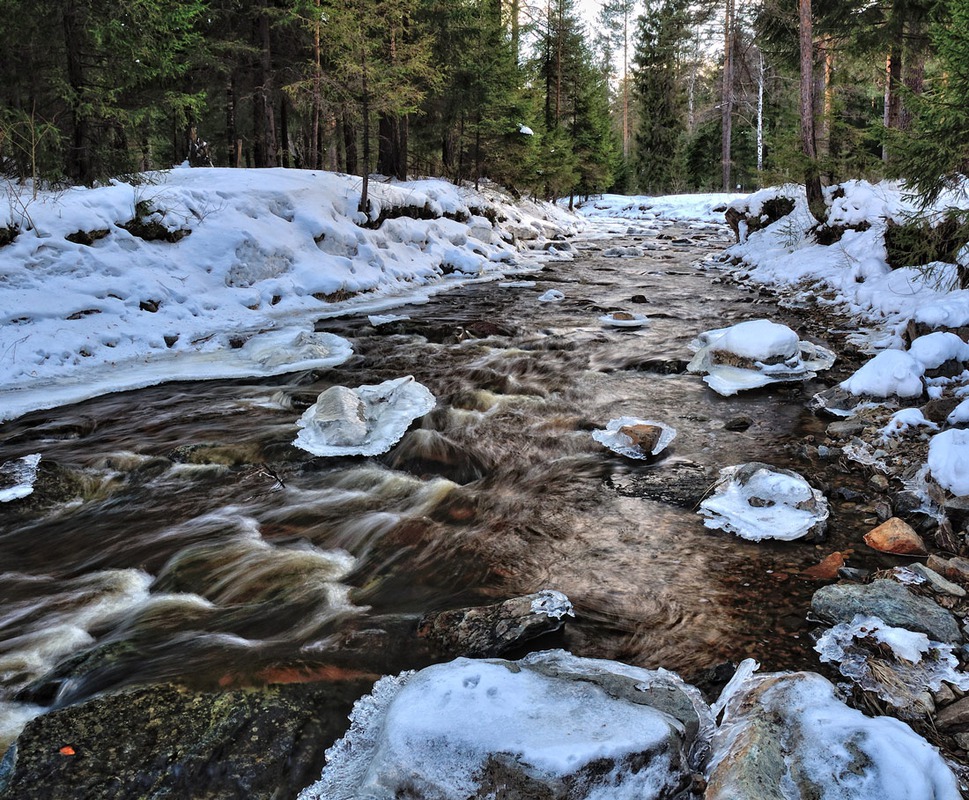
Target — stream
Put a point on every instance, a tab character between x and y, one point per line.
196	545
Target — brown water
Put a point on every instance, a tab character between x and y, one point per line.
259	561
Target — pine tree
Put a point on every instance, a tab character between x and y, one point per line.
661	36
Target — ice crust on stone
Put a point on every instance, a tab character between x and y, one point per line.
832	751
551	296
762	352
552	604
916	664
949	460
620	443
367	421
383	319
414	729
756	502
633	320
17	477
891	373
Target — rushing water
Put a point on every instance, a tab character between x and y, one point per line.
197	545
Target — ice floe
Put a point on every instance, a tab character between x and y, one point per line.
753	354
756	501
634	437
367	421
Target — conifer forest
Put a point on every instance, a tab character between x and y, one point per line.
543	96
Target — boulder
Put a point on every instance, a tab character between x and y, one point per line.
827	569
548	727
889	601
785	736
494	629
897	537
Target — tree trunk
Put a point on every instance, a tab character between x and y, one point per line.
349	146
364	206
392	146
760	115
315	106
231	134
285	150
268	116
812	178
726	101
79	167
827	114
515	29
893	100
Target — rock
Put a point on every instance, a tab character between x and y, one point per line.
739	424
786	735
937	410
845	429
645	437
548	727
955	715
906	502
890	602
897	537
878	482
164	741
682	483
938	584
955	569
492	630
827	569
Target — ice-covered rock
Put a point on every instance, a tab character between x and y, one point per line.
756	501
634	437
365	421
949	460
891	373
753	354
17	477
623	319
550	725
786	736
889	601
493	629
897	664
551	296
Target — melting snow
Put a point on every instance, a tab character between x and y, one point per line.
949	460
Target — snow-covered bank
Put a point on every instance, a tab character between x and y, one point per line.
129	285
677	207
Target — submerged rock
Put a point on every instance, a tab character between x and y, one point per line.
785	736
548	727
756	501
890	602
491	630
753	354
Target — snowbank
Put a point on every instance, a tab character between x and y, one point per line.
129	285
677	207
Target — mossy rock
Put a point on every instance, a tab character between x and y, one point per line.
167	742
8	234
87	238
919	242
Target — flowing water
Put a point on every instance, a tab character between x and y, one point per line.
196	545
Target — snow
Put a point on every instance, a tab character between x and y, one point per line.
551	296
552	604
935	348
949	460
621	443
756	503
755	342
367	421
890	373
17	477
682	207
270	252
905	420
756	339
960	414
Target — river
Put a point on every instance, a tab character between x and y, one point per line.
196	545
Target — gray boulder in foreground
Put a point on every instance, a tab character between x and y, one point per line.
890	602
785	736
548	727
